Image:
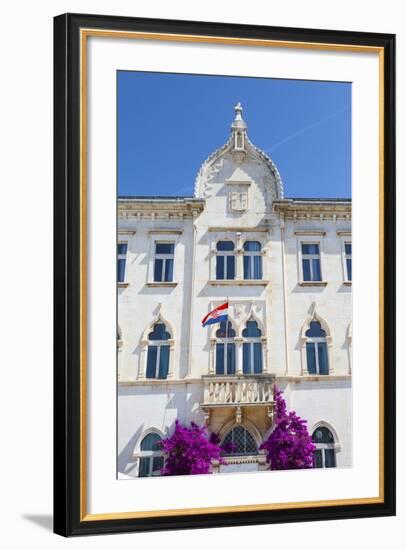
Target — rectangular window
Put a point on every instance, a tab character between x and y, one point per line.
144	466
322	357
163	265
257	357
230	358
311	358
246	361
121	260
348	260
311	262
330	458
318	460
151	361
157	465
163	362
220	359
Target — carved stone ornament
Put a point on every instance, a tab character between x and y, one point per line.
238	201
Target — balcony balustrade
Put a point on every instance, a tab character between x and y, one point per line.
223	391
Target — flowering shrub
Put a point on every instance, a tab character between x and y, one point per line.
188	451
289	447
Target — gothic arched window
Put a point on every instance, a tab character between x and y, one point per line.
225	261
252	348
252	260
158	352
316	349
225	349
324	455
239	441
151	456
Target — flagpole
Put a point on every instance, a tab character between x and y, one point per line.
227	318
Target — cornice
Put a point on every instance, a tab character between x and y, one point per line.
313	209
159	208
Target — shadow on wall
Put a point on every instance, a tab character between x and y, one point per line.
125	462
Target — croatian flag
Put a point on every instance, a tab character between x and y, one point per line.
219	314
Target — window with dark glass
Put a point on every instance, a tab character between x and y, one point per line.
316	349
158	352
324	455
239	441
163	264
252	260
121	260
225	349
348	260
151	456
225	261
311	262
252	348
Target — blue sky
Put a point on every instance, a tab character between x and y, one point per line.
168	124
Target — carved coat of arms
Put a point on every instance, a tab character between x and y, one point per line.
238	201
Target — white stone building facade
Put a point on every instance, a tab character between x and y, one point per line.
285	268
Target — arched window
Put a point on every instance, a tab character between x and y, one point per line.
252	260
225	349
158	352
239	441
316	349
324	455
151	456
252	348
225	262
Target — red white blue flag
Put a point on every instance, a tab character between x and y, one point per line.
219	314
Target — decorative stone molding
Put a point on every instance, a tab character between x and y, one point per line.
168	231
220	391
167	284
312	283
151	208
239	282
313	209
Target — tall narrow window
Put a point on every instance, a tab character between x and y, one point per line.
240	441
151	456
239	141
252	260
316	349
225	262
348	260
311	262
121	260
163	266
225	349
158	352
252	348
324	455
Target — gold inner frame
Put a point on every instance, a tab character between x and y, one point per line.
84	34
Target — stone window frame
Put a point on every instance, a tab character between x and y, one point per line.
225	341
336	445
310	237
144	343
239	238
167	236
138	453
304	339
124	237
345	238
239	341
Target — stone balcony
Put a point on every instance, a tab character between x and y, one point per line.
238	392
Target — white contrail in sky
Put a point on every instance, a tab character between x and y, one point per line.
305	129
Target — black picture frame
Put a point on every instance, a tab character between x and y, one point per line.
68	520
